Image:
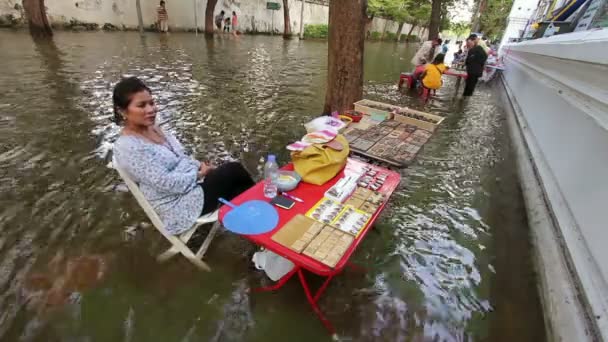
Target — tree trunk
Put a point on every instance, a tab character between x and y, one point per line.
435	19
476	16
409	34
35	12
302	21
399	31
384	30
345	54
140	19
209	24
287	22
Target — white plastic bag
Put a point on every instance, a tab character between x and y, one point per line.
274	265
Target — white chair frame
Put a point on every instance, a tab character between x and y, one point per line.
178	242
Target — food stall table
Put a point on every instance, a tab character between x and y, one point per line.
311	194
459	74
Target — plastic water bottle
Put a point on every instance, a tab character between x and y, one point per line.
271	177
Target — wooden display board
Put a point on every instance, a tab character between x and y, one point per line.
396	142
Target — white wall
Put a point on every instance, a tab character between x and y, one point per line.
562	96
253	15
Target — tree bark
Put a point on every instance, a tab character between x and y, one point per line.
287	21
476	16
399	31
35	12
209	24
435	19
384	30
302	21
345	54
409	34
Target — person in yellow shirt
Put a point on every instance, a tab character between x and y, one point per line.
431	77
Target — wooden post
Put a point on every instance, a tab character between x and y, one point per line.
302	20
140	19
195	17
345	54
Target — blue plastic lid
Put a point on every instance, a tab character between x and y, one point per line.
271	158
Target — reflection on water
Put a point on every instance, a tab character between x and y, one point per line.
449	260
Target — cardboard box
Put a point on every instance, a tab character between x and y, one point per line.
366	106
429	126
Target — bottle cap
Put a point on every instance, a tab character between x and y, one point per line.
271	158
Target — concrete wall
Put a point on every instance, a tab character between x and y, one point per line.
384	25
253	15
558	84
521	12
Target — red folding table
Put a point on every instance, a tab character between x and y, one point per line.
458	74
311	194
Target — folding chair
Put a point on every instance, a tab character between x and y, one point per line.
178	242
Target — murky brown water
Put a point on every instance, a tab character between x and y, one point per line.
450	260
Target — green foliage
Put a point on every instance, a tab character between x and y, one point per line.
375	35
493	18
404	11
390	36
460	30
419	13
316	31
410	38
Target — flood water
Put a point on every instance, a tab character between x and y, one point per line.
449	260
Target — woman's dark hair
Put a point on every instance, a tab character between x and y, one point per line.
162	2
439	58
222	12
233	13
123	92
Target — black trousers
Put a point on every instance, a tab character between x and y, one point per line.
469	85
226	181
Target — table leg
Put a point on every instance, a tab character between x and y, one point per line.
322	288
356	267
279	283
314	306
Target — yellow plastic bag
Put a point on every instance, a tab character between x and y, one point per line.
318	164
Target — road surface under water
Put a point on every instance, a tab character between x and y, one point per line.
449	260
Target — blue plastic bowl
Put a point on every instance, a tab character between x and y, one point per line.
288	180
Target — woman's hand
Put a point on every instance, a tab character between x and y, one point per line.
204	169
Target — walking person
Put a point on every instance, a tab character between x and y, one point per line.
227	25
445	47
219	19
162	17
234	23
475	60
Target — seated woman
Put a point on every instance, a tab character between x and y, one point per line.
431	77
179	188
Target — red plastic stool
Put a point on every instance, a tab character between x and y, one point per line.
406	76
